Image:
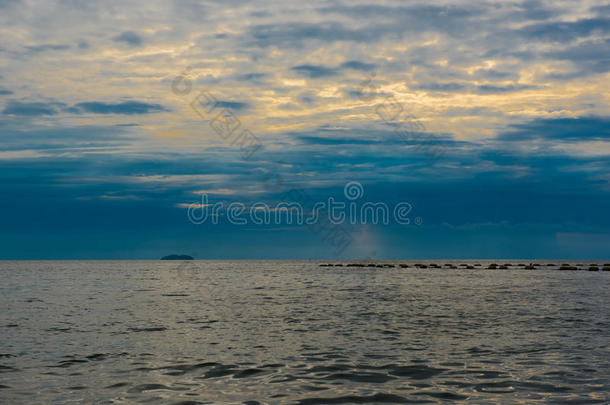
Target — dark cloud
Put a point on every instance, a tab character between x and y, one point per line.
467	87
561	31
17	136
443	87
307	98
560	129
357	65
363	137
493	74
291	35
260	14
416	18
232	105
397	21
47	47
318	140
191	10
490	88
252	76
5	92
589	57
366	95
533	10
8	3
129	37
126	107
433	15
34	109
314	71
601	10
318	71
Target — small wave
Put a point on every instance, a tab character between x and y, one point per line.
248	373
189	403
152	387
357	399
181	369
68	363
220	371
117	385
416	372
149	329
378	378
444	395
7	369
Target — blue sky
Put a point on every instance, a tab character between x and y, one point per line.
101	153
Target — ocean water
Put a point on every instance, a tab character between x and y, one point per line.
277	332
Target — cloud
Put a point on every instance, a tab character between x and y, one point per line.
129	37
357	65
588	57
319	140
428	13
318	71
33	109
418	18
291	35
7	3
314	71
602	10
30	109
356	138
397	21
443	87
47	47
560	129
561	31
535	10
232	105
17	136
483	88
489	88
126	107
191	10
252	76
493	74
5	92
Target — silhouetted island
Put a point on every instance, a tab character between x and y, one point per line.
177	257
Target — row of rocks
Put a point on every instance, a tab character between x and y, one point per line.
492	266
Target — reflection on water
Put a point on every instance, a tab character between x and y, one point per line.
294	332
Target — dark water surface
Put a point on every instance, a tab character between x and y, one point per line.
297	333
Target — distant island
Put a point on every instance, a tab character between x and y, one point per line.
177	257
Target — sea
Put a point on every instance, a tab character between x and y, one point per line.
296	332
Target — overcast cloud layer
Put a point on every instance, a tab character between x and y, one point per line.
100	150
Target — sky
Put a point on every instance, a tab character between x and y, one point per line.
491	120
